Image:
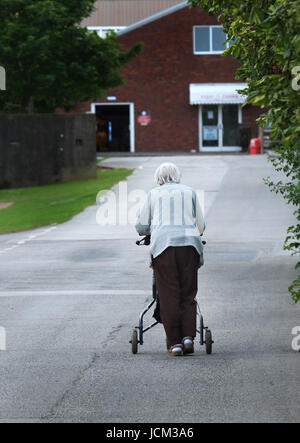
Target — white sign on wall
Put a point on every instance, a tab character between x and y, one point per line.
210	133
217	93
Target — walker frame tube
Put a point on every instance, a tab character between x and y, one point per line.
141	329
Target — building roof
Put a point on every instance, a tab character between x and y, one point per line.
155	17
126	12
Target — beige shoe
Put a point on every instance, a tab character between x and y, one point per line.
176	350
188	345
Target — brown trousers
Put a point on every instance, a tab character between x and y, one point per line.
176	275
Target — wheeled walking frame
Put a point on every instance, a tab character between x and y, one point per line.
137	337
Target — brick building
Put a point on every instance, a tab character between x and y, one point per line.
180	94
118	14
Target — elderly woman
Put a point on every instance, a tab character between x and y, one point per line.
172	216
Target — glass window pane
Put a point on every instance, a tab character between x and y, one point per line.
202	40
210	126
219	39
230	124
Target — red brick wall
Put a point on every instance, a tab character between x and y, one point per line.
250	115
158	80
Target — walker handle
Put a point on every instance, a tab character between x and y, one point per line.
145	241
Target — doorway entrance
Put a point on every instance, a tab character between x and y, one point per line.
218	126
115	130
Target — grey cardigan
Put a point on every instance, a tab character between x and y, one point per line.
172	215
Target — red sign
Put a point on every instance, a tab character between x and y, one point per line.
144	118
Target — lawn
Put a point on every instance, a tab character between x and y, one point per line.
44	205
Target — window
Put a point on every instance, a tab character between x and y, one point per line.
209	40
104	30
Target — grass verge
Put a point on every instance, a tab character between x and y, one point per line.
44	205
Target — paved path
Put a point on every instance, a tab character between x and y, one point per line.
70	295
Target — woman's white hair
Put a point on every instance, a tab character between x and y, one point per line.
167	173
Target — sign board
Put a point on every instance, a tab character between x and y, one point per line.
217	93
210	133
144	118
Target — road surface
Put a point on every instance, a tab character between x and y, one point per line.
71	294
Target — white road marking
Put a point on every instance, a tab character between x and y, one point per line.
122	292
28	239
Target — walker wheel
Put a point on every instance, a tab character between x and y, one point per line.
134	342
208	341
168	344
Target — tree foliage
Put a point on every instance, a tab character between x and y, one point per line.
50	60
266	41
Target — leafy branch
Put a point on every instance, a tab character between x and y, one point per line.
266	42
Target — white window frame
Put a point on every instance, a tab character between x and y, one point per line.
102	30
131	118
219	148
211	27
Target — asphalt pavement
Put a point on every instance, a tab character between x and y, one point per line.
71	294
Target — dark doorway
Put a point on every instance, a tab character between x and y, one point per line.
113	128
